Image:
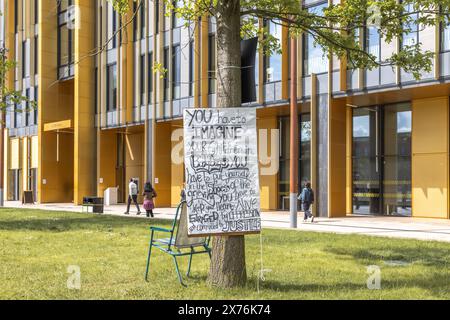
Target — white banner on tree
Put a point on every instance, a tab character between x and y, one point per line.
222	180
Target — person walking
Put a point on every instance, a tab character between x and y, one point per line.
149	194
183	192
307	199
132	196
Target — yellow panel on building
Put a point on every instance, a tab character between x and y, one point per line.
269	163
177	163
15	154
430	153
34	152
337	160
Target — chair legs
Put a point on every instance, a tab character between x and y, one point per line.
189	266
178	271
148	258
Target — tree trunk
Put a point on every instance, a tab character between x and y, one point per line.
228	255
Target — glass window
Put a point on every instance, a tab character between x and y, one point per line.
177	21
18	115
142	19
305	149
396	170
112	27
66	42
16	16
24	59
304	156
212	64
157	16
142	78
445	38
273	62
191	67
135	22
373	42
315	59
111	90
36	11
150	76
36	55
382	160
176	72
411	37
166	76
27	108
35	110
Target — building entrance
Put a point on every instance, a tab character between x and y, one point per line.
381	160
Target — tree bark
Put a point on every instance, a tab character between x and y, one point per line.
228	255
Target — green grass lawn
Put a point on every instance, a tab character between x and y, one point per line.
36	248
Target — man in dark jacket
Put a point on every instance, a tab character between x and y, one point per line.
307	199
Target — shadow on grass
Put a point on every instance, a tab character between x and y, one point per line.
423	255
437	284
63	221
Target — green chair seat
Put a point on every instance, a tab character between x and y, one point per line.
179	243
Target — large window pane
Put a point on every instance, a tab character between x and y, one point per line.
373	42
150	76
397	159
212	64
411	36
445	41
315	59
305	149
176	72
382	160
366	163
166	76
111	92
273	63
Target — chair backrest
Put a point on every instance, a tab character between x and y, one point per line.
182	239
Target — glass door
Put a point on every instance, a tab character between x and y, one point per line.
366	161
382	160
304	159
397	160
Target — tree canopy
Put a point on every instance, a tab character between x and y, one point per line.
336	28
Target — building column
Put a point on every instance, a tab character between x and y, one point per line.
320	149
85	149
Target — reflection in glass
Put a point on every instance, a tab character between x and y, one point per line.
382	160
273	62
315	59
305	150
366	183
304	159
397	160
445	41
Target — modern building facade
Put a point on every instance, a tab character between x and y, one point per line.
371	141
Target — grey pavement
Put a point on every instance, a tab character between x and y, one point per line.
396	227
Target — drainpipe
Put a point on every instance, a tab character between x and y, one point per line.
293	181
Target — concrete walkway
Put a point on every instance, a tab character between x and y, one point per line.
397	227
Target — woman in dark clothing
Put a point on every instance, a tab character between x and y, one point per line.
149	194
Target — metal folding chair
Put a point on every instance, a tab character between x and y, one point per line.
178	243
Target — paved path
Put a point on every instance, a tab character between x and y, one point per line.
397	227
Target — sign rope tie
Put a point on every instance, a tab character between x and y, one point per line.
261	270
